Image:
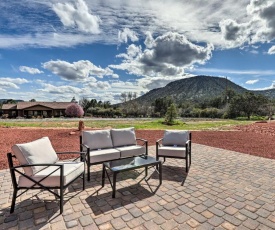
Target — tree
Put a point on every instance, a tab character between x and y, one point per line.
32	100
85	104
74	110
106	104
171	114
123	97
99	104
129	105
73	100
161	105
10	101
248	103
93	103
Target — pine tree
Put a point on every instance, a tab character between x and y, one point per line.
171	114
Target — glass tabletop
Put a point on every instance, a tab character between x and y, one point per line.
130	163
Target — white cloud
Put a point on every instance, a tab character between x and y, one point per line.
251	82
259	28
65	89
78	16
126	34
234	33
103	85
14	80
272	86
149	40
30	70
271	50
169	56
5	84
78	71
150	83
263	12
238	72
11	83
50	40
199	23
122	86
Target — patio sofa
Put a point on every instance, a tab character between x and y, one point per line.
111	144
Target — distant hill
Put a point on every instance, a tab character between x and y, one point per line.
4	100
196	88
270	93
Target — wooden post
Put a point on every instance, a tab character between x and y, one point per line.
81	125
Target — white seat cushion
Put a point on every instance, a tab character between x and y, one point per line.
172	151
103	155
129	151
36	152
123	137
71	171
175	137
97	139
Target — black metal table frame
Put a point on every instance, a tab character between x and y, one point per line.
156	164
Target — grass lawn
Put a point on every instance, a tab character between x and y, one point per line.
188	123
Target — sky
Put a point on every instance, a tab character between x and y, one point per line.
54	50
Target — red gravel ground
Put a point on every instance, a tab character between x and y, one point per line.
255	139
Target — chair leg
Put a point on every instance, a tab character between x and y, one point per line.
83	178
89	174
13	200
157	166
186	163
189	159
61	201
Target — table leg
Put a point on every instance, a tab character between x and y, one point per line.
103	175
146	171
114	185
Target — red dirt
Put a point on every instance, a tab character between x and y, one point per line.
256	139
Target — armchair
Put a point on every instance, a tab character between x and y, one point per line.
40	168
175	144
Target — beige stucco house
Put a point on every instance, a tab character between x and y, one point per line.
35	109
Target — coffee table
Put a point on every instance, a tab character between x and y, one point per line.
128	164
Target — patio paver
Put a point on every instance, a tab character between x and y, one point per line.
223	190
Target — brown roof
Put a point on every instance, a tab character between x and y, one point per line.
27	104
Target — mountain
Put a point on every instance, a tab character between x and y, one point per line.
196	88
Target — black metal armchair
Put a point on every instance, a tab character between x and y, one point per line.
32	173
175	144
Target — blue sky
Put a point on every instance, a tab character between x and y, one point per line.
53	50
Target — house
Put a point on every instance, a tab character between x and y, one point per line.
35	109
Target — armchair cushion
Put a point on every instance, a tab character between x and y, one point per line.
175	137
123	137
170	151
98	139
71	171
130	151
36	152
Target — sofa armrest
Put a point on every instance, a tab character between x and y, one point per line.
141	139
188	146
86	149
159	142
145	142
